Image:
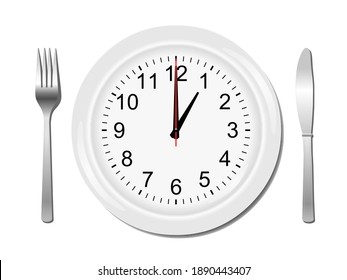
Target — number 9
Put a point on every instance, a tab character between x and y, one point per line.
119	129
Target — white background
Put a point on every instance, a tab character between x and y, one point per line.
84	236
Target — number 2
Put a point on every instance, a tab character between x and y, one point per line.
223	106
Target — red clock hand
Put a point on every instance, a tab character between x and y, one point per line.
175	109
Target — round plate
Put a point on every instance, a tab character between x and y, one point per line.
177	131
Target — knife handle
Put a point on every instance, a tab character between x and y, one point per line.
308	213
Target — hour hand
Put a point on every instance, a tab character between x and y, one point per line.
184	116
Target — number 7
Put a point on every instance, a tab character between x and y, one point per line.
149	176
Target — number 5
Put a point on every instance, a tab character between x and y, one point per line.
202	177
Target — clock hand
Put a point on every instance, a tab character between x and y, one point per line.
185	114
175	130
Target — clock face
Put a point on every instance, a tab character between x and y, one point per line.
177	131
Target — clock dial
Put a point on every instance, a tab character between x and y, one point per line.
164	167
173	134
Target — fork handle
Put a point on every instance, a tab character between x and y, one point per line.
308	213
47	187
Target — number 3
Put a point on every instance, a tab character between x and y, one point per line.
233	129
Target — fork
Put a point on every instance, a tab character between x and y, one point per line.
48	95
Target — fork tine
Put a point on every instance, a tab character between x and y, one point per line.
39	70
44	69
49	69
56	77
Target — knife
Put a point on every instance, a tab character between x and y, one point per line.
305	106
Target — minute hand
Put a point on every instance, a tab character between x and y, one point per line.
184	115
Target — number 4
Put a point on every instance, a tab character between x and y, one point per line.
225	158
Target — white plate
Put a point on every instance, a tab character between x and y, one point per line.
229	145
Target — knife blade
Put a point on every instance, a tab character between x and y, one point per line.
305	107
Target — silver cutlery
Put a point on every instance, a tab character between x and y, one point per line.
48	95
305	106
